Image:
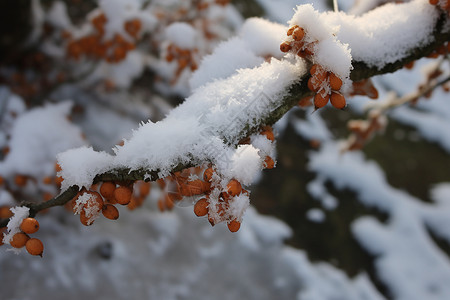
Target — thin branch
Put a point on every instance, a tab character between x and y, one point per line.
297	91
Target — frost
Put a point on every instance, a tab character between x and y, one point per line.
19	213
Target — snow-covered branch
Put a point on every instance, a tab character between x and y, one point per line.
207	129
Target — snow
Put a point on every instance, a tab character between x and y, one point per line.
19	213
37	136
151	146
182	35
315	215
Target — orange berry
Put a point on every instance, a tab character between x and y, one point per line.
29	225
234	225
5	212
161	183
111	212
85	220
335	82
269	163
337	100
161	205
433	2
191	188
234	187
47	180
298	34
269	134
58	180
291	30
144	188
313	84
35	247
19	240
107	190
285	47
57	167
123	194
168	202
207	175
314	69
320	101
20	180
201	207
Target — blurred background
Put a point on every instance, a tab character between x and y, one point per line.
324	224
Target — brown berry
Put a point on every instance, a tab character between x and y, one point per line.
320	101
291	30
20	180
35	247
201	207
107	190
111	212
19	240
234	187
335	82
285	47
123	194
298	34
29	225
234	225
337	100
208	174
269	163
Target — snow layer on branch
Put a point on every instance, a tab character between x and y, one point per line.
37	136
194	131
387	33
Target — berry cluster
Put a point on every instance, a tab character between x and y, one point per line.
95	46
103	198
326	85
22	239
185	58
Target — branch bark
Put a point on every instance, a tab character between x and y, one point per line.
297	91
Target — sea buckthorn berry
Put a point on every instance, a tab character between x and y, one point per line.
168	202
335	82
234	187
291	30
57	167
35	247
208	174
85	220
19	240
269	163
320	101
5	212
313	84
144	188
111	212
161	205
337	100
191	188
285	47
268	133
107	190
29	225
314	69
298	34
434	2
58	180
20	180
234	225
123	194
47	180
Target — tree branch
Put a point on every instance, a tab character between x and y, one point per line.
297	91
